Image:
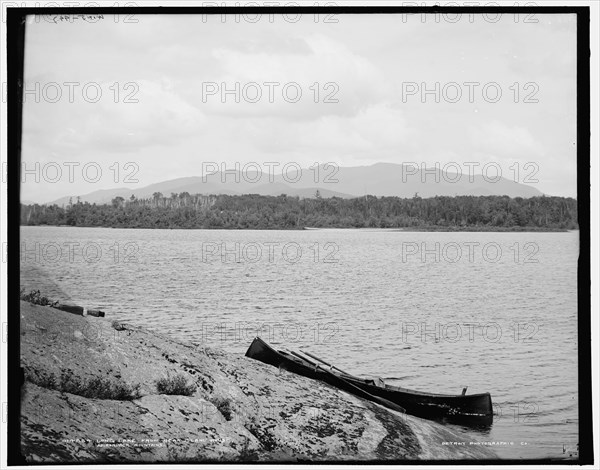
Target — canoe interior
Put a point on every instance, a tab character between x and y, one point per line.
263	352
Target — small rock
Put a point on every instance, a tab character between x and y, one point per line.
95	313
118	326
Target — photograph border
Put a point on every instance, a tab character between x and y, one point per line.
16	26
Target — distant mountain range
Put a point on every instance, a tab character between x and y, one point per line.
380	179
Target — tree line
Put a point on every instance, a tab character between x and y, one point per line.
253	211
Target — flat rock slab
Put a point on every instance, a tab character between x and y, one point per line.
239	409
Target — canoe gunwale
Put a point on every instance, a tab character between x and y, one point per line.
393	388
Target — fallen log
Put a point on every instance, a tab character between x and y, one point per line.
71	308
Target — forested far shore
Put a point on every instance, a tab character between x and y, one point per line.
253	211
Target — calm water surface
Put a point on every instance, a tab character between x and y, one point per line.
495	312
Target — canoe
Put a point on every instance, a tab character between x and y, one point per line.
471	410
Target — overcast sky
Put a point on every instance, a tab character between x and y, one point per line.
375	66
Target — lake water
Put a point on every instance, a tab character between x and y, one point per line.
495	312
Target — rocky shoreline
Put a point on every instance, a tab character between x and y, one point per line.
98	390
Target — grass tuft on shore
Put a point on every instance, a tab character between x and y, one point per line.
176	385
98	387
35	297
224	407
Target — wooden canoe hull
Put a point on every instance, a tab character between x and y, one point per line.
474	410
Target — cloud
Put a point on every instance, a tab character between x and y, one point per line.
147	113
319	76
504	141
